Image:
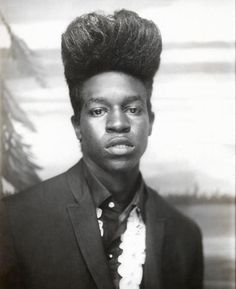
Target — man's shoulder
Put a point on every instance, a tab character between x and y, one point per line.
174	218
50	189
35	191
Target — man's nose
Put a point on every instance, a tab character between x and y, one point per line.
117	121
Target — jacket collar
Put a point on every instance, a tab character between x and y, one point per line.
82	214
84	221
155	231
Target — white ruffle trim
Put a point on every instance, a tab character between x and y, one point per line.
133	253
100	222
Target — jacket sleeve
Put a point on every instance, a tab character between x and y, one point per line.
196	279
9	271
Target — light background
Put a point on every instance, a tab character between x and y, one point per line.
193	138
192	145
192	148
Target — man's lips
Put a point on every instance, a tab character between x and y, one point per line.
119	146
119	141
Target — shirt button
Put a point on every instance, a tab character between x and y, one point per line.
111	205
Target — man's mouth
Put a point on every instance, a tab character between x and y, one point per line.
119	146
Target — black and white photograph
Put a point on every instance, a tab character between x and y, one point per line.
117	125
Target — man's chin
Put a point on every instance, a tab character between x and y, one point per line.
121	166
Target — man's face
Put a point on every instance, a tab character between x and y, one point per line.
114	123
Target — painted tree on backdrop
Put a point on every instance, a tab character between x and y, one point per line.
17	165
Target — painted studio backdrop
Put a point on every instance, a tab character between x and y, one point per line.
190	158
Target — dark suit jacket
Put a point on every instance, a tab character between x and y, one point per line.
57	240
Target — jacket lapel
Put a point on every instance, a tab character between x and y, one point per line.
84	221
155	225
86	229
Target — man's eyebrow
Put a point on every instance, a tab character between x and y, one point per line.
96	100
134	98
102	100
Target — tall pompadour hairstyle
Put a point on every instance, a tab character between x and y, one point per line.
95	43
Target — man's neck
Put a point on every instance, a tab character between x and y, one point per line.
122	185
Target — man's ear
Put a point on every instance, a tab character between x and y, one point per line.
76	125
151	121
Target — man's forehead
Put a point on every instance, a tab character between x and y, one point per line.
113	84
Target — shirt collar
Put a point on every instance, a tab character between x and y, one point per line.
100	194
137	201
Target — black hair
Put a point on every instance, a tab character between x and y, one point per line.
95	43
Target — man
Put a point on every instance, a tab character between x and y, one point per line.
99	225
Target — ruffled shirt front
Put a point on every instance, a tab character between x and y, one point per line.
123	232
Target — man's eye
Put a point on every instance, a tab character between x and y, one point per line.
97	112
133	110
